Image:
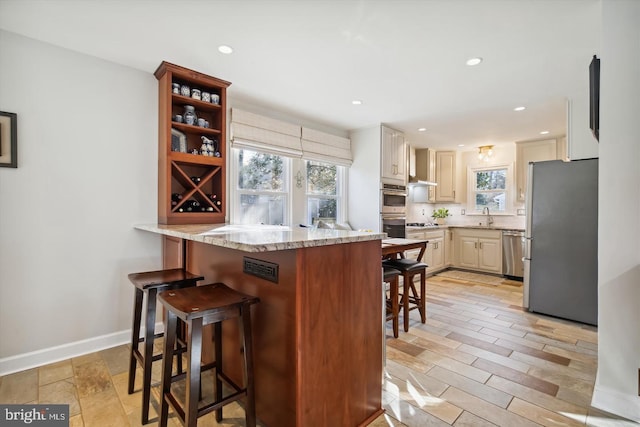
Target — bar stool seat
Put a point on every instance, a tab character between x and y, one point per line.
197	307
411	299
391	276
148	284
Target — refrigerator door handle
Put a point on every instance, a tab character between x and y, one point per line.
527	248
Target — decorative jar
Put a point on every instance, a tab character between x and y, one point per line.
189	115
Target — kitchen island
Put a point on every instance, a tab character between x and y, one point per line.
318	330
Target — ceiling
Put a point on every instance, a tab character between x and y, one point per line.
405	59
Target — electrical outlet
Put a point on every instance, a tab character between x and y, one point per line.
521	212
462	212
422	212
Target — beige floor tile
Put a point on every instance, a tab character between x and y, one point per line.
446	351
418	365
540	415
502	360
19	388
76	421
467	419
574	397
510	341
411	416
418	379
92	377
435	338
117	359
498	332
103	409
85	358
539	364
490	394
385	420
453	365
53	372
485	410
61	392
583	355
416	394
576	412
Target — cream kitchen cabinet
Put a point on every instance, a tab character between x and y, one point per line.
434	254
536	151
394	157
478	249
448	247
425	170
445	176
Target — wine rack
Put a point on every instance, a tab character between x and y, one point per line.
191	181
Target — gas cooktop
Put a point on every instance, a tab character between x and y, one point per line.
420	224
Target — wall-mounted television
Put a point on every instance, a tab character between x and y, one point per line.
594	97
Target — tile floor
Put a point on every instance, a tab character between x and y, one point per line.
480	360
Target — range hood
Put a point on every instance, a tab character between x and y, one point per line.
413	182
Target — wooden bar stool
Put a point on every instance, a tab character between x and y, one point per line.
391	276
150	283
197	307
411	299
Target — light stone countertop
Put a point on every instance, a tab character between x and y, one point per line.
476	227
260	238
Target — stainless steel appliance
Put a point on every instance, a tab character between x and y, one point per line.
393	225
393	199
561	240
512	247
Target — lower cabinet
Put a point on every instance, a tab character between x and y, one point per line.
434	254
478	249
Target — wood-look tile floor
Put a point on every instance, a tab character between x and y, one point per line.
479	360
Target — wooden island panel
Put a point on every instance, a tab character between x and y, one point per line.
317	332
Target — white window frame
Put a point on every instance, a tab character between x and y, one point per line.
341	187
297	203
236	192
471	189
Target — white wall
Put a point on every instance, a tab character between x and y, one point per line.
87	172
616	387
364	179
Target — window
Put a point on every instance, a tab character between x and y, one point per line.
323	187
488	188
262	191
264	194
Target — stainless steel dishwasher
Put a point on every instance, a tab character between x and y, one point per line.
512	248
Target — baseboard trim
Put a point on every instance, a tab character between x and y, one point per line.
34	359
614	402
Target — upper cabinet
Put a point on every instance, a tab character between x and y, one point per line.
425	170
394	157
446	176
535	151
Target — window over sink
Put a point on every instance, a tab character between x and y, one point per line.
489	187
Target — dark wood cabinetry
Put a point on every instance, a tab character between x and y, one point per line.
191	184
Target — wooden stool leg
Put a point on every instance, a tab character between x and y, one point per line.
406	286
170	321
150	324
395	308
423	297
218	356
135	337
250	410
194	357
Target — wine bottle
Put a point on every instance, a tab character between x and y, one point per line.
196	179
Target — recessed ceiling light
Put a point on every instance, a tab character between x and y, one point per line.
421	129
519	108
544	132
225	49
460	145
474	61
356	102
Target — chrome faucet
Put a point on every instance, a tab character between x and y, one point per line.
485	210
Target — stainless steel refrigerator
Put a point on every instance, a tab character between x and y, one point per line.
561	240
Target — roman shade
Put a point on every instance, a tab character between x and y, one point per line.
324	147
256	132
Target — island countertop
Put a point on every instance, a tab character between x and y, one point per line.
260	238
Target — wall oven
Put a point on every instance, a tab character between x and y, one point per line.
393	225
393	199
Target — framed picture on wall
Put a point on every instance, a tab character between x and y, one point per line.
8	140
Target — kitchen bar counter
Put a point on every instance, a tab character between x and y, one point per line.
318	335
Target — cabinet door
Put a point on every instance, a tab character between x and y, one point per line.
490	255
446	176
428	255
388	165
401	156
438	254
531	151
468	252
447	244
